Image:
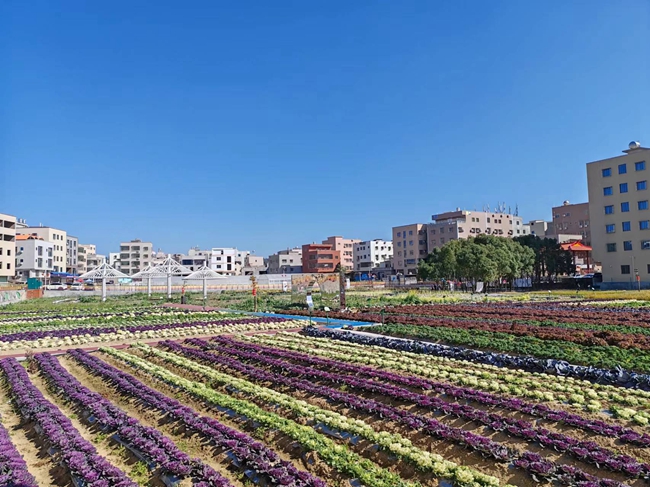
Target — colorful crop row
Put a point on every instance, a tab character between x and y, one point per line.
585	450
336	455
533	463
149	442
538	387
66	338
13	469
596	355
78	455
249	453
551	366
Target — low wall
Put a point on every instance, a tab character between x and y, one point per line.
12	296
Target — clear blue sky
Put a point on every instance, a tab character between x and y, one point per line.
267	124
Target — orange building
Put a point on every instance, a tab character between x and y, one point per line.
320	258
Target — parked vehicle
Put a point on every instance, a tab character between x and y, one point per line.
59	286
89	287
76	286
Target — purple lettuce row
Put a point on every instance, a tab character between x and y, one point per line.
78	455
618	377
39	315
250	453
13	468
148	441
96	331
584	450
534	464
625	435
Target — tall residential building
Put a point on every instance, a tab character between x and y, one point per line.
287	261
93	261
346	247
135	256
228	260
114	260
371	254
71	254
462	224
55	236
320	258
7	247
34	257
572	219
619	211
409	247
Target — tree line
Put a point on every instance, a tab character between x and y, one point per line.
488	258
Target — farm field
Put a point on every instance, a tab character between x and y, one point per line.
129	395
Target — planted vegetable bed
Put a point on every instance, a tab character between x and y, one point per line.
234	401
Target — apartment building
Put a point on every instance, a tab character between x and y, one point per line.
228	260
56	237
34	257
93	261
619	212
462	224
372	254
409	247
539	228
346	247
7	247
287	261
71	254
135	256
320	258
114	260
571	219
194	259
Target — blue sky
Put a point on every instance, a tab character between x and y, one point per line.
264	125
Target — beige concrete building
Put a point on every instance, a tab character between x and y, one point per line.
619	212
571	219
287	261
462	224
7	247
409	247
58	238
346	247
135	256
539	228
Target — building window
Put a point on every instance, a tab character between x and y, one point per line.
411	243
625	269
626	226
622	168
442	240
399	234
399	244
607	172
433	231
625	206
639	166
644	224
410	232
627	245
442	230
610	228
641	185
645	244
608	191
643	205
622	188
611	247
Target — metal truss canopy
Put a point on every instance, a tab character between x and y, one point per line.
204	273
104	271
169	267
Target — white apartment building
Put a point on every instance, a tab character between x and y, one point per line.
372	254
287	261
462	224
7	247
619	214
55	236
71	254
228	260
93	261
114	260
34	257
409	248
135	256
